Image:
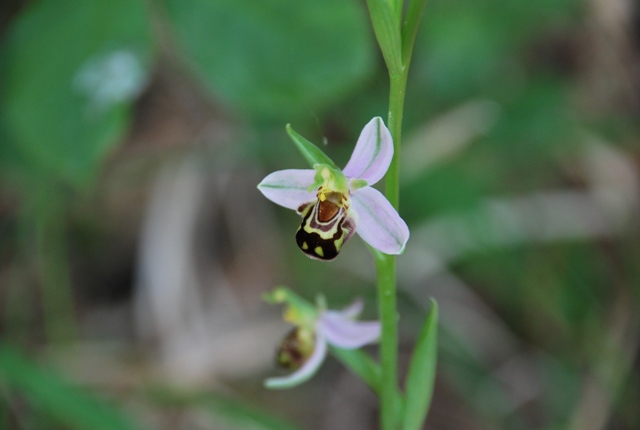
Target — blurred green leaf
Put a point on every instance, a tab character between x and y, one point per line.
471	49
243	416
422	373
233	412
11	159
275	57
309	151
71	71
358	362
362	365
50	393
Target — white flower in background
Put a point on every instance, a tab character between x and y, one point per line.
109	79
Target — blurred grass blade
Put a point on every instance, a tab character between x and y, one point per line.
309	151
368	370
361	364
243	416
50	393
234	413
387	30
422	371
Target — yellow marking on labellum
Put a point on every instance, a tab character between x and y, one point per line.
319	251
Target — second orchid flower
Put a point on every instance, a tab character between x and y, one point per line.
316	328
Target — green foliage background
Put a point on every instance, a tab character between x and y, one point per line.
570	304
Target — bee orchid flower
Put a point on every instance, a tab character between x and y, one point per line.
336	203
305	347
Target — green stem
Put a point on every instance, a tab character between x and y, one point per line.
386	268
392	36
397	93
386	271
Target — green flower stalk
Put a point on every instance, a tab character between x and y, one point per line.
335	204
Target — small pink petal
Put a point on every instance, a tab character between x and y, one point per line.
306	371
346	333
378	222
353	310
289	188
372	154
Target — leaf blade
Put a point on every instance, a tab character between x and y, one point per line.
309	151
234	412
421	374
56	396
362	365
410	29
387	30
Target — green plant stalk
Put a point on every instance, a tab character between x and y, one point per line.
386	272
386	17
397	91
386	267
